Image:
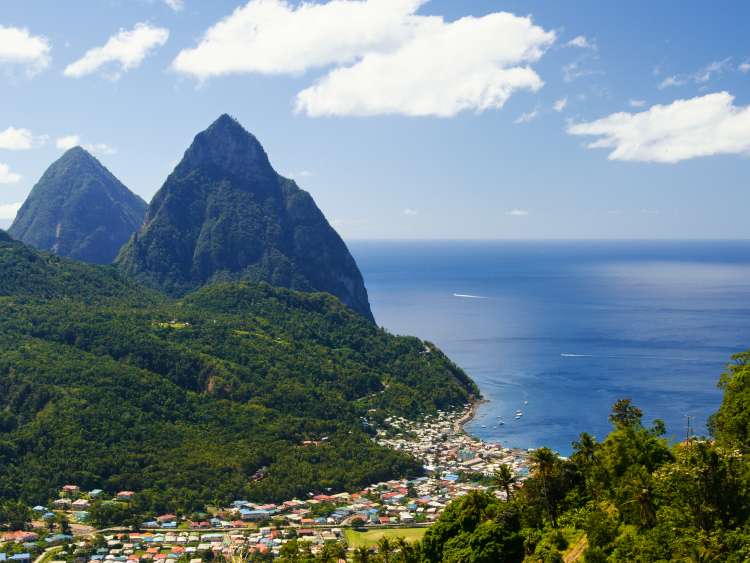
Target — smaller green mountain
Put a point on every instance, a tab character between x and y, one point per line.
78	209
225	214
108	384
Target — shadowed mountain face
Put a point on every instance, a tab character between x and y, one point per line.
225	214
80	210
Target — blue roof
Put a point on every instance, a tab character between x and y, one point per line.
3	557
21	557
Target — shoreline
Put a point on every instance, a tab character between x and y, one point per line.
469	415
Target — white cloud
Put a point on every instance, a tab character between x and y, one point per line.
18	46
411	212
560	104
671	81
441	71
273	37
8	177
176	5
388	59
582	42
701	126
700	76
126	49
574	70
637	103
527	116
68	142
717	67
8	211
15	139
100	148
517	213
744	67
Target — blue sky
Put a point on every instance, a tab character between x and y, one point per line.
405	118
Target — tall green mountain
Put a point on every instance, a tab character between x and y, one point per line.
80	210
225	214
107	384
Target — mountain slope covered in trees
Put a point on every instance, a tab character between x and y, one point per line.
225	214
110	385
80	210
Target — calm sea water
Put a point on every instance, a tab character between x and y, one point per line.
561	330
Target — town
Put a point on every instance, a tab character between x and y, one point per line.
454	462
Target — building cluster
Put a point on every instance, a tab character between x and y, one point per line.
445	450
455	464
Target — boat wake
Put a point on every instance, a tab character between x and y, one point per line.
469	296
577	355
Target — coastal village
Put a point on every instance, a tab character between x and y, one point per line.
454	462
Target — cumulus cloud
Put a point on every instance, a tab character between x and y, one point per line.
68	142
18	46
15	139
176	5
387	59
126	50
439	72
581	42
560	104
517	213
8	211
701	126
8	177
275	37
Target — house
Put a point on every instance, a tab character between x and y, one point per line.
125	495
63	503
96	493
71	491
23	557
80	504
21	537
166	518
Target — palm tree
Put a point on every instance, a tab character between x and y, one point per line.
544	461
504	478
361	555
385	549
585	452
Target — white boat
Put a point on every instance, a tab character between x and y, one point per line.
519	413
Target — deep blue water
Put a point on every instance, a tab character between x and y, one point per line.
571	327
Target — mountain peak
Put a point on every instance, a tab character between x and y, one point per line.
230	147
79	209
224	213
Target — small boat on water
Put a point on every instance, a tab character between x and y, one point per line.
525	402
500	423
519	413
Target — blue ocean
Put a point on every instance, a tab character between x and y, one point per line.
561	330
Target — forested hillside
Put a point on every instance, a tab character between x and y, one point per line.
107	384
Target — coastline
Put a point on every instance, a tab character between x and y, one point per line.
469	414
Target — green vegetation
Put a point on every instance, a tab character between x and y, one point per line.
631	497
80	210
225	214
199	400
371	538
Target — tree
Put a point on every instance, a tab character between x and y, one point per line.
544	461
504	479
625	414
15	515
